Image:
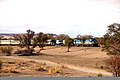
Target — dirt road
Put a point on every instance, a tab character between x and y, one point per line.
83	69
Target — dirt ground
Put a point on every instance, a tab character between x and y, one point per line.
79	62
91	57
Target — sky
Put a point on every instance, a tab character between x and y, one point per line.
72	17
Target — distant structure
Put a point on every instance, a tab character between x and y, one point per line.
52	41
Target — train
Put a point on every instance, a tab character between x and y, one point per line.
77	42
9	42
51	42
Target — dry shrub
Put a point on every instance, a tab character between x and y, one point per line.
101	67
99	75
1	64
9	71
13	71
54	70
25	52
62	66
42	68
113	64
5	71
6	50
18	51
10	62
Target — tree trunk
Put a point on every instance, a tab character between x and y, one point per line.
42	48
68	49
83	44
28	47
115	74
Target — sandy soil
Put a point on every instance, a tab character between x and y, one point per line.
91	57
21	67
80	61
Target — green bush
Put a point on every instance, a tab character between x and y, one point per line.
6	50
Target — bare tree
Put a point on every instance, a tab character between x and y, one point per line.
40	40
113	64
26	40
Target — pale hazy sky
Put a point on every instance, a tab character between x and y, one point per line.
70	17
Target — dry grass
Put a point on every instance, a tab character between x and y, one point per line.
1	64
42	68
54	70
90	57
99	75
6	50
19	67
